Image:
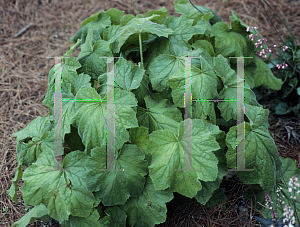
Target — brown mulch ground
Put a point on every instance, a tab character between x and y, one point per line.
24	69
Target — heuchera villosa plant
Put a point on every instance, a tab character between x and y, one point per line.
149	126
288	218
286	66
281	108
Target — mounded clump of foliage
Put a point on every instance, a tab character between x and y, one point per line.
149	121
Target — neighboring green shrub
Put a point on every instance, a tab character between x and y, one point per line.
287	68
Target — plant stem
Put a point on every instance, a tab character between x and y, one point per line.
95	83
141	48
195	7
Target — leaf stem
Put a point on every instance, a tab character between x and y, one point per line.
141	48
195	7
95	84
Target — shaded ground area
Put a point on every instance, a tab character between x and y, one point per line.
50	23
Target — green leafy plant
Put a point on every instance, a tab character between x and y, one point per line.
285	66
289	217
149	121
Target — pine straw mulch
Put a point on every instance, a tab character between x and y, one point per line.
50	23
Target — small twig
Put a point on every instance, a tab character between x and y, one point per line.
22	30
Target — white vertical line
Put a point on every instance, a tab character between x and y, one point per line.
110	114
188	116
